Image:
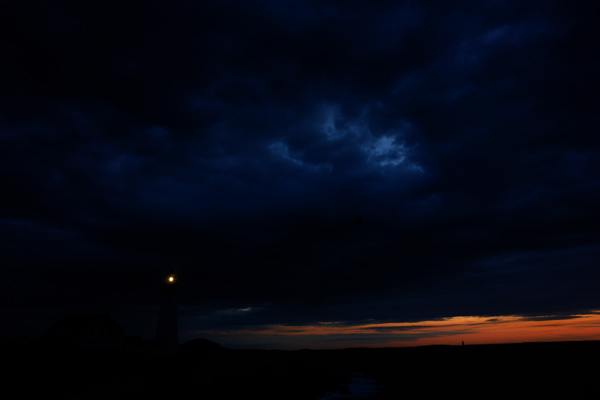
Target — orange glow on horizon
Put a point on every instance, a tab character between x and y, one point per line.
450	331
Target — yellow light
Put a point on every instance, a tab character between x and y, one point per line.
171	279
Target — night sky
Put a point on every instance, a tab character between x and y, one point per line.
326	173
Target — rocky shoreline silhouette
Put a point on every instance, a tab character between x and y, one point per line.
205	369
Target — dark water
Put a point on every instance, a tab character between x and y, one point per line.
521	371
361	387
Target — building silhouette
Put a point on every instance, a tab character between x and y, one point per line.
167	335
97	331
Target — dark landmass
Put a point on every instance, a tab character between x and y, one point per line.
206	370
559	370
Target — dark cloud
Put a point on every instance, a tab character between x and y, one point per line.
552	318
242	141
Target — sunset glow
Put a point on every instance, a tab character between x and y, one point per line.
447	331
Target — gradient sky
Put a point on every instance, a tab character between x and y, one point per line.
320	173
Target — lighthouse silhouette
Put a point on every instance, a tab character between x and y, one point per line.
166	329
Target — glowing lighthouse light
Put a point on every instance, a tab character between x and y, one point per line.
166	329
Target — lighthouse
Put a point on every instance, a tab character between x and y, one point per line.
166	330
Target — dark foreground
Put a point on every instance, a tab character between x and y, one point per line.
565	370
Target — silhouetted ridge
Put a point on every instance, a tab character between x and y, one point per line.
89	331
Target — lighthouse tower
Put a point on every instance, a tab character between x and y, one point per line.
166	330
